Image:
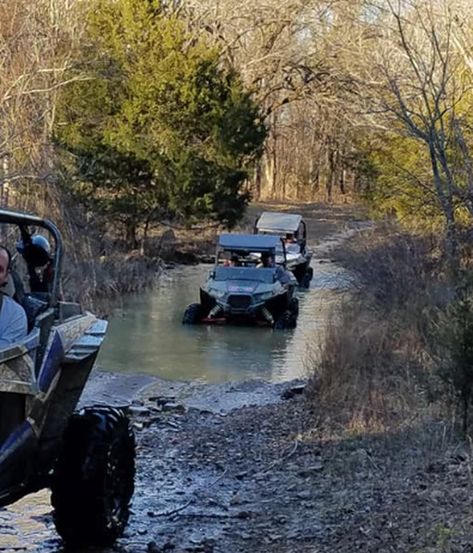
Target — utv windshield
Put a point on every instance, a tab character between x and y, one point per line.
266	275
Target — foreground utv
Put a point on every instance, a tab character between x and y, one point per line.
86	457
292	229
246	286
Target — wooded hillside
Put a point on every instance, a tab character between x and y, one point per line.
145	110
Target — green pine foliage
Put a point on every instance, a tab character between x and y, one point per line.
158	129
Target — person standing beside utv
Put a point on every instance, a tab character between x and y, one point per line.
13	323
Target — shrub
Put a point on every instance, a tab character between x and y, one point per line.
454	347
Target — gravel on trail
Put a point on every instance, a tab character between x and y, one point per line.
263	477
235	468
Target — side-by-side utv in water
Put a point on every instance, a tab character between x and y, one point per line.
86	457
246	285
292	229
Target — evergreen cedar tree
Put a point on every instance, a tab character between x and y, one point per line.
159	128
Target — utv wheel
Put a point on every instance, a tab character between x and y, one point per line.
307	277
93	479
192	314
294	307
285	321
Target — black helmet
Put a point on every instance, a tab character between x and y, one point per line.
36	251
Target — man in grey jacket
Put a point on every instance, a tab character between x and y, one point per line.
13	322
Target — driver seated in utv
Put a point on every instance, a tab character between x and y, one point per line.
292	229
246	286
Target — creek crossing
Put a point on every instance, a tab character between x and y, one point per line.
146	337
146	334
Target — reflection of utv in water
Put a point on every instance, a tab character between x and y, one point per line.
245	286
87	458
292	228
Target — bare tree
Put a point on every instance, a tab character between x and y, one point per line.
38	43
420	90
286	53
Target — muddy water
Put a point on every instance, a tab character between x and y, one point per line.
146	334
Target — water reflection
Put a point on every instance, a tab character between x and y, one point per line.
146	334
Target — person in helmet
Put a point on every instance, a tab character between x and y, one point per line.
13	322
267	261
36	251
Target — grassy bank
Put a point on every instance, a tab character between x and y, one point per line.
386	405
380	367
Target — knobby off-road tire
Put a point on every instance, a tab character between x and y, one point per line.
193	314
294	307
285	321
308	275
93	479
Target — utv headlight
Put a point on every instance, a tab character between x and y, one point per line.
219	294
263	297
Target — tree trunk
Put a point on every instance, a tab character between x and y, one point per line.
257	181
343	176
268	172
446	204
5	197
130	234
314	179
144	240
331	174
274	160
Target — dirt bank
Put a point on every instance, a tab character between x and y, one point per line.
266	477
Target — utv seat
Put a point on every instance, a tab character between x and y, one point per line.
33	307
33	303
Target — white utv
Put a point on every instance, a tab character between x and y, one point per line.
292	228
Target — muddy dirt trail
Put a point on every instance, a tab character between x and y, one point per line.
263	477
266	478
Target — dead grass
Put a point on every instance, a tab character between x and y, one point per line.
97	283
374	371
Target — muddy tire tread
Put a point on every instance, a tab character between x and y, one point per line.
93	480
192	314
308	275
286	321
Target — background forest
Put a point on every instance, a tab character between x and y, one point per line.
135	112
